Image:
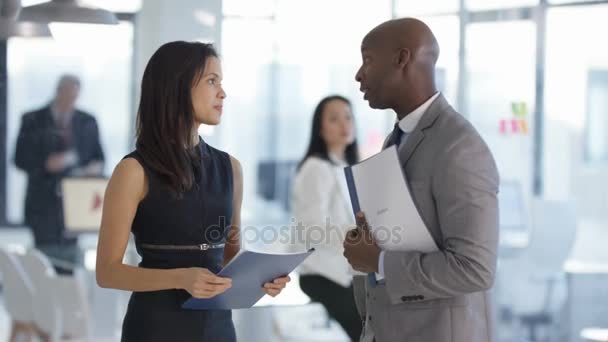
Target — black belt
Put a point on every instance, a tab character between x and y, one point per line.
201	247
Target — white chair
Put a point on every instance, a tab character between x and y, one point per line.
17	291
66	312
532	286
47	317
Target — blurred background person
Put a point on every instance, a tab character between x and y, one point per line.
321	204
54	142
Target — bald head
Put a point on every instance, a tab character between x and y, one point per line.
406	33
398	70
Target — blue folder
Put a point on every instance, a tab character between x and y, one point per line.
249	272
354	201
352	189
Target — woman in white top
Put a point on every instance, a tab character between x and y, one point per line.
321	206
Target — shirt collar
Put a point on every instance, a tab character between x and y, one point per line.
336	160
57	115
410	121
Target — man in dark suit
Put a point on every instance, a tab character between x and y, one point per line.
55	142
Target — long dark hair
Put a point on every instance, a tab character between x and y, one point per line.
317	146
165	119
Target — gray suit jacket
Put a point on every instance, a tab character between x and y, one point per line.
444	295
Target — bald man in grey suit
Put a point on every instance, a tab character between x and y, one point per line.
442	296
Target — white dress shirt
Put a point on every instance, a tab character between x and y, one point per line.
320	202
407	125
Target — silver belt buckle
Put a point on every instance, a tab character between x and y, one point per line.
203	246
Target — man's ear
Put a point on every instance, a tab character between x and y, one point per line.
403	57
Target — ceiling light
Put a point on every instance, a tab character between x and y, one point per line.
66	11
10	27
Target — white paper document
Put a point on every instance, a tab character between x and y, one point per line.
378	187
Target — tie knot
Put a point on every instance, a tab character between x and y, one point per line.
396	127
396	135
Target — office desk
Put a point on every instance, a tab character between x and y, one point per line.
587	277
587	303
595	334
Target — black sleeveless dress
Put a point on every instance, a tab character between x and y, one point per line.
200	217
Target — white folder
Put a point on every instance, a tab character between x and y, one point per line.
378	187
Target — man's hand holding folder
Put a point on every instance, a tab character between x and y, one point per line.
378	187
360	249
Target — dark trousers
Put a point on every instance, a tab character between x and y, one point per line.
338	301
49	238
65	257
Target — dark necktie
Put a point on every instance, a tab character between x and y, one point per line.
64	125
396	136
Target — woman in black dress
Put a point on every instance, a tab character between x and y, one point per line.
181	199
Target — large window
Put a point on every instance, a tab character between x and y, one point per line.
500	61
409	8
102	57
573	1
576	86
488	68
275	79
596	144
446	30
477	5
245	128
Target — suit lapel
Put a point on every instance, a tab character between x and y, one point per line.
407	149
